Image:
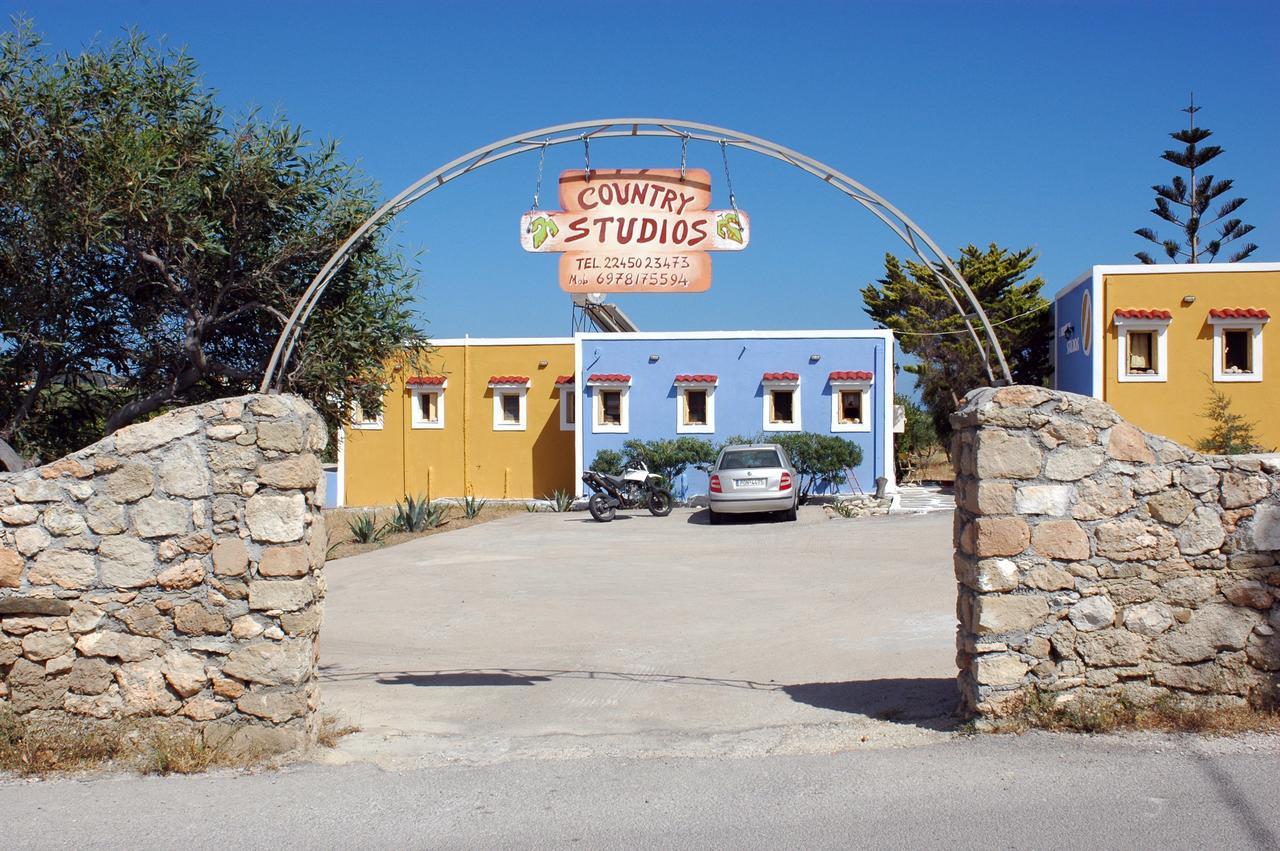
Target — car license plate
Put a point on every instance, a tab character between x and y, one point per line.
748	483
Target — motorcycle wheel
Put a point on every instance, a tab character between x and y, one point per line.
660	502
600	508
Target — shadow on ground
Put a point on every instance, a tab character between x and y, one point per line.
455	680
928	703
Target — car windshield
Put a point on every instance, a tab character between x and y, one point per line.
747	459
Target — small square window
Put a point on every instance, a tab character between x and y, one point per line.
428	409
1237	351
511	408
782	407
611	407
568	409
851	407
695	407
1143	356
360	421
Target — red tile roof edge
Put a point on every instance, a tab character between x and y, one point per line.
610	378
781	376
697	378
508	379
1239	313
1141	313
851	375
426	379
564	379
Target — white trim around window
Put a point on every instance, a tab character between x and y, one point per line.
598	391
417	415
568	407
767	406
1253	327
1159	330
359	423
863	390
683	389
500	420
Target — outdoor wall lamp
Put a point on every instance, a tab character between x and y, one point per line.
1188	299
814	358
654	358
542	364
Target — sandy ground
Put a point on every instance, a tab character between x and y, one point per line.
553	636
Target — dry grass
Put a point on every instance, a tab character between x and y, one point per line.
46	747
1043	711
342	545
331	730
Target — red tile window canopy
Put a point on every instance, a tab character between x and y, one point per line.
1253	314
426	380
564	381
850	375
508	380
696	378
782	376
1140	313
609	378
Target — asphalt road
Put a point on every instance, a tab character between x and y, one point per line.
1034	791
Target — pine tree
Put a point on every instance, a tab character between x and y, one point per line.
1229	433
1195	195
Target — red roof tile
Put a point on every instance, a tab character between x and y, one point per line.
1140	313
425	379
610	378
782	376
1239	313
697	378
508	379
851	375
564	379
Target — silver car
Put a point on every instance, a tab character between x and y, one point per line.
752	478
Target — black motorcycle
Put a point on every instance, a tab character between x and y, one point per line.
636	488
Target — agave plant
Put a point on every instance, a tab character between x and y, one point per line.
365	529
437	513
533	507
471	507
411	514
561	500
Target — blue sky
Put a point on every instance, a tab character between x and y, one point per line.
1027	124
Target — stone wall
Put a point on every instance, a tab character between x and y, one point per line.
1096	560
172	569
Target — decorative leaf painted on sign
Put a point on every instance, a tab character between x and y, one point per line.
729	226
542	228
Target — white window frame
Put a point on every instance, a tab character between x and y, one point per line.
416	419
838	387
598	426
1223	324
500	390
1160	327
568	398
682	388
796	408
360	424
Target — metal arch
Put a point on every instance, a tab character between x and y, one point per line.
920	243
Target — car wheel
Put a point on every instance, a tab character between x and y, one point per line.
600	508
713	518
791	512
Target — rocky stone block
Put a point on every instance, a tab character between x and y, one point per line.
1052	500
1132	540
1092	613
195	619
129	483
298	473
64	568
286	595
999	536
276	519
126	562
1000	613
1148	618
1069	463
118	645
283	436
271	663
1001	455
11	564
184	473
142	437
159	518
284	561
1064	540
1111	647
1210	629
1127	443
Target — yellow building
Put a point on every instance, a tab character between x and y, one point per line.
1153	340
489	418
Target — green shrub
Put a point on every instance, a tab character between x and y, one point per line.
563	500
418	515
471	507
609	462
670	458
365	529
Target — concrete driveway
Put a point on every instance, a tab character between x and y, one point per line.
553	636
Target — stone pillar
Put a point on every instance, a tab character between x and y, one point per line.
173	569
1096	560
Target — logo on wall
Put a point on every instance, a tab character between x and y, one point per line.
646	230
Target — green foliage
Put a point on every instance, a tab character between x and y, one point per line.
1229	432
533	507
418	515
916	442
471	507
151	248
909	300
609	462
1194	196
562	501
365	529
670	458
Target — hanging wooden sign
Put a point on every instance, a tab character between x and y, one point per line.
645	230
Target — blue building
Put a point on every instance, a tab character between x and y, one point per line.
715	385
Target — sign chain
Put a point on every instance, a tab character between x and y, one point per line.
542	156
728	181
586	153
684	151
